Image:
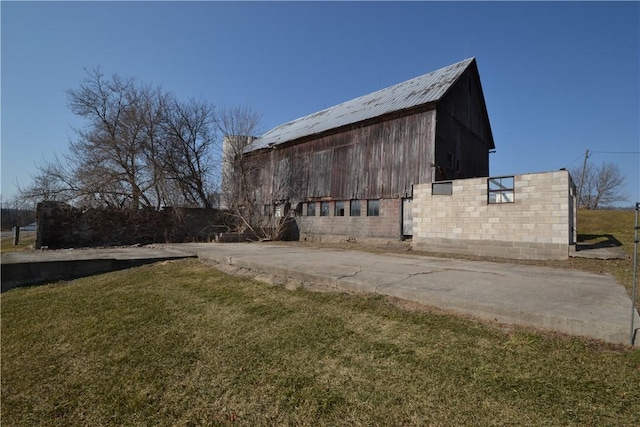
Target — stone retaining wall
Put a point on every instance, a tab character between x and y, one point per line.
63	226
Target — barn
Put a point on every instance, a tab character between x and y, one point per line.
349	171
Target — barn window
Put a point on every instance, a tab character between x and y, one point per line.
450	159
500	190
442	188
354	209
324	208
339	209
311	209
373	207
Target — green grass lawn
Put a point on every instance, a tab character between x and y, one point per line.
181	344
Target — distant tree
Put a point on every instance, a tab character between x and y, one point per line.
603	185
16	211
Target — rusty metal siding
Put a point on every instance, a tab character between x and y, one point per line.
381	160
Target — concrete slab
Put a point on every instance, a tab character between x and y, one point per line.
610	252
32	267
571	302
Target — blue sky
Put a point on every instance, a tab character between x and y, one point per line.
558	78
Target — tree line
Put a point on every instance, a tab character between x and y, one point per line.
140	147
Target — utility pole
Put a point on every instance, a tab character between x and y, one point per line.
584	169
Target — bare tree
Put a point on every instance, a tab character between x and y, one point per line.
110	154
188	152
603	185
240	194
140	147
51	182
237	126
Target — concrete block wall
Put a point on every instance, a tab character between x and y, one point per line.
537	225
334	228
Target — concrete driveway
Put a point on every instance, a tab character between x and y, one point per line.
570	302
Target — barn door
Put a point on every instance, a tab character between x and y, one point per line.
407	218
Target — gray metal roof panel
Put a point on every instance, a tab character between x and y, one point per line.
421	90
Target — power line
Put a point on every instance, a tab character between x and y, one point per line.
615	152
575	160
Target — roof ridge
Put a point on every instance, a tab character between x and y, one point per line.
432	86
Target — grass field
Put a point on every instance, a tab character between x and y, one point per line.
26	242
181	344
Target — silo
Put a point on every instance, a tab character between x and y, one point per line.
232	151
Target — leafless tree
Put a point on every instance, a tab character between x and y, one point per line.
140	147
241	195
51	182
603	185
110	154
190	144
237	126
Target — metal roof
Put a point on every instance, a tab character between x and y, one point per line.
421	90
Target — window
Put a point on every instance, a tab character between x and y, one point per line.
373	207
311	209
324	208
441	188
500	190
354	209
267	210
338	209
450	159
279	211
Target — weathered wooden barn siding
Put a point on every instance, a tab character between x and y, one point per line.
463	130
378	160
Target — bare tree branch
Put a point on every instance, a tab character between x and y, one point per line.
603	185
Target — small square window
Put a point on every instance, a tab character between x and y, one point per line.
500	190
354	209
339	209
373	207
324	208
441	188
311	209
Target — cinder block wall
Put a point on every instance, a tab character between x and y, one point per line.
537	225
333	228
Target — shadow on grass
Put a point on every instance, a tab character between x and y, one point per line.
597	241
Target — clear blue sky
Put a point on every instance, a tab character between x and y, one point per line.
558	78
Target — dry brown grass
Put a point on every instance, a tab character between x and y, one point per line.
179	343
